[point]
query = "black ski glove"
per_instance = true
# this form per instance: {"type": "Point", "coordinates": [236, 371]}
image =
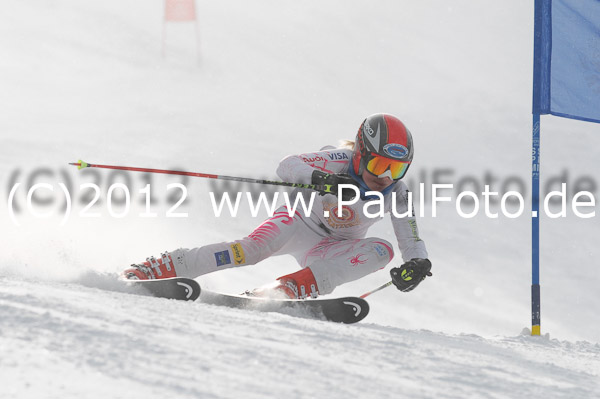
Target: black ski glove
{"type": "Point", "coordinates": [410, 274]}
{"type": "Point", "coordinates": [330, 183]}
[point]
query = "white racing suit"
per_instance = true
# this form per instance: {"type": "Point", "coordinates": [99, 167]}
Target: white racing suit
{"type": "Point", "coordinates": [334, 248]}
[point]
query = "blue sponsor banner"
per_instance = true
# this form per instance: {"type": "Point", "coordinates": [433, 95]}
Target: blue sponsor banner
{"type": "Point", "coordinates": [567, 59]}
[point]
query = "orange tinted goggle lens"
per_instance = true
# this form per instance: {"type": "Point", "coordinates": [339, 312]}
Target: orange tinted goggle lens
{"type": "Point", "coordinates": [378, 165]}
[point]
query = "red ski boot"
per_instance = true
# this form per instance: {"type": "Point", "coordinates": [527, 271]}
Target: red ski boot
{"type": "Point", "coordinates": [296, 285]}
{"type": "Point", "coordinates": [152, 269]}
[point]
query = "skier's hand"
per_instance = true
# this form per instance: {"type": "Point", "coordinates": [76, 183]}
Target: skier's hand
{"type": "Point", "coordinates": [410, 274]}
{"type": "Point", "coordinates": [331, 181]}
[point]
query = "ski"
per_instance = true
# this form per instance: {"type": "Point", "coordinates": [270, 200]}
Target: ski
{"type": "Point", "coordinates": [180, 288]}
{"type": "Point", "coordinates": [340, 310]}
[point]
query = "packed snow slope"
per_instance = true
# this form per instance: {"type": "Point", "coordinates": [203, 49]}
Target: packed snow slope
{"type": "Point", "coordinates": [72, 342]}
{"type": "Point", "coordinates": [254, 82]}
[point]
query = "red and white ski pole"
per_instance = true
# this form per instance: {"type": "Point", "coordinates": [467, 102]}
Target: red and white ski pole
{"type": "Point", "coordinates": [376, 289]}
{"type": "Point", "coordinates": [326, 188]}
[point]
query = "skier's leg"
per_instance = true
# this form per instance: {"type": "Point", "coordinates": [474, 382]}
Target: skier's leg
{"type": "Point", "coordinates": [332, 262]}
{"type": "Point", "coordinates": [299, 284]}
{"type": "Point", "coordinates": [271, 236]}
{"type": "Point", "coordinates": [263, 242]}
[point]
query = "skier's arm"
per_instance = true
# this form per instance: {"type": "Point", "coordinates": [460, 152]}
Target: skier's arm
{"type": "Point", "coordinates": [416, 266]}
{"type": "Point", "coordinates": [294, 169]}
{"type": "Point", "coordinates": [321, 168]}
{"type": "Point", "coordinates": [407, 232]}
{"type": "Point", "coordinates": [299, 168]}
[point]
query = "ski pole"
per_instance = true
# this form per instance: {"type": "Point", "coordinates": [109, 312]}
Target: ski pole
{"type": "Point", "coordinates": [376, 289]}
{"type": "Point", "coordinates": [326, 188]}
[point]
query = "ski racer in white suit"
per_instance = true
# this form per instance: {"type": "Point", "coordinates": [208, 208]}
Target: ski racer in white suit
{"type": "Point", "coordinates": [331, 249]}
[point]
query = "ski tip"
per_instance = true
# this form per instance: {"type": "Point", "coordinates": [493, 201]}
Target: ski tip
{"type": "Point", "coordinates": [80, 164]}
{"type": "Point", "coordinates": [179, 288]}
{"type": "Point", "coordinates": [354, 310]}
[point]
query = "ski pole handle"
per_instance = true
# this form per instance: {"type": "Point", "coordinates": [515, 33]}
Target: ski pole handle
{"type": "Point", "coordinates": [376, 289]}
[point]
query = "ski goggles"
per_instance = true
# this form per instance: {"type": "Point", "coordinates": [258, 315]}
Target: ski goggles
{"type": "Point", "coordinates": [379, 166]}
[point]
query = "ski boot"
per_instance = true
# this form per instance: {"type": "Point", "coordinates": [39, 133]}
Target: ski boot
{"type": "Point", "coordinates": [152, 269]}
{"type": "Point", "coordinates": [298, 285]}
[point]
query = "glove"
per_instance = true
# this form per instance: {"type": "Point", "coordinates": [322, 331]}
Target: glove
{"type": "Point", "coordinates": [330, 183]}
{"type": "Point", "coordinates": [410, 274]}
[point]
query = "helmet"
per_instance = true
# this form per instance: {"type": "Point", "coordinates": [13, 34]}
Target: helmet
{"type": "Point", "coordinates": [383, 147]}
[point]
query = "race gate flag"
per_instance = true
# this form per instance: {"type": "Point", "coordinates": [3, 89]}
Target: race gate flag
{"type": "Point", "coordinates": [566, 82]}
{"type": "Point", "coordinates": [180, 10]}
{"type": "Point", "coordinates": [567, 68]}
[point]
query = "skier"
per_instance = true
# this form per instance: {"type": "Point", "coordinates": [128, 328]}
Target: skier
{"type": "Point", "coordinates": [332, 250]}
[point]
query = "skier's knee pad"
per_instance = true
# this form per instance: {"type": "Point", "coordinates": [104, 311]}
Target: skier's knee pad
{"type": "Point", "coordinates": [382, 248]}
{"type": "Point", "coordinates": [368, 256]}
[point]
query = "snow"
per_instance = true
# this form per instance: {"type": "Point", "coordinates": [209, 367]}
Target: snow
{"type": "Point", "coordinates": [85, 80]}
{"type": "Point", "coordinates": [76, 341]}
